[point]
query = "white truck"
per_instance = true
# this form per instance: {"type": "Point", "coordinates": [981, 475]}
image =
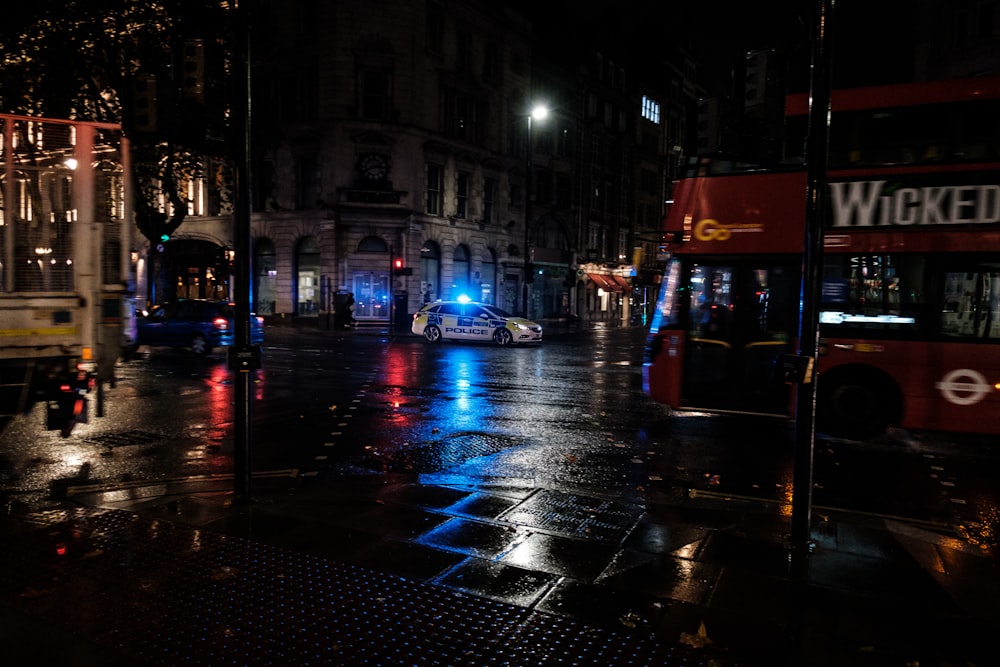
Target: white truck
{"type": "Point", "coordinates": [66, 266]}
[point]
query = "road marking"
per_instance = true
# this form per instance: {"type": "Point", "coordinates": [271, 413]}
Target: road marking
{"type": "Point", "coordinates": [120, 486]}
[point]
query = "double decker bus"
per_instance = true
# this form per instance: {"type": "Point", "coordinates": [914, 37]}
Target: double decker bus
{"type": "Point", "coordinates": [909, 318]}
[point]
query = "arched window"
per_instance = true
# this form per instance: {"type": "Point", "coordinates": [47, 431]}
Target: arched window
{"type": "Point", "coordinates": [372, 244]}
{"type": "Point", "coordinates": [430, 271]}
{"type": "Point", "coordinates": [307, 277]}
{"type": "Point", "coordinates": [265, 277]}
{"type": "Point", "coordinates": [488, 278]}
{"type": "Point", "coordinates": [460, 265]}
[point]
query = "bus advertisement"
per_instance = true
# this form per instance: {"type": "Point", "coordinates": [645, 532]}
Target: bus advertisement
{"type": "Point", "coordinates": [909, 317]}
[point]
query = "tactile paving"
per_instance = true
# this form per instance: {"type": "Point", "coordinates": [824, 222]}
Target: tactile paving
{"type": "Point", "coordinates": [165, 594]}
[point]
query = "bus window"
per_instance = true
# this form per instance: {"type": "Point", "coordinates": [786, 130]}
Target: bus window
{"type": "Point", "coordinates": [666, 314]}
{"type": "Point", "coordinates": [740, 318]}
{"type": "Point", "coordinates": [879, 292]}
{"type": "Point", "coordinates": [711, 302]}
{"type": "Point", "coordinates": [971, 306]}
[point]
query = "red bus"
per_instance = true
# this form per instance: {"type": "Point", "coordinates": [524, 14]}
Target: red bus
{"type": "Point", "coordinates": [910, 311]}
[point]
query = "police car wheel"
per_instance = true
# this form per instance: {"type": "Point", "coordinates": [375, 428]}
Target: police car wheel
{"type": "Point", "coordinates": [432, 334]}
{"type": "Point", "coordinates": [503, 336]}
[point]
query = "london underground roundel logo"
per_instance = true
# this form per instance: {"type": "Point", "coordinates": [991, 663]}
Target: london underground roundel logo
{"type": "Point", "coordinates": [964, 386]}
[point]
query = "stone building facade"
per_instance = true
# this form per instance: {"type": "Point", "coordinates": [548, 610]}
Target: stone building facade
{"type": "Point", "coordinates": [394, 161]}
{"type": "Point", "coordinates": [385, 132]}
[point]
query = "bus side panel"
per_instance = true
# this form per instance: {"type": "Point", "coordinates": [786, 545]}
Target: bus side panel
{"type": "Point", "coordinates": [663, 372]}
{"type": "Point", "coordinates": [960, 390]}
{"type": "Point", "coordinates": [739, 215]}
{"type": "Point", "coordinates": [946, 386]}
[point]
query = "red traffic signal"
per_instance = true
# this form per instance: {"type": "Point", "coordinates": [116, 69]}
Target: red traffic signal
{"type": "Point", "coordinates": [400, 270]}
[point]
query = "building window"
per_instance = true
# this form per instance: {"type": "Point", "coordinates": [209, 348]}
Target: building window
{"type": "Point", "coordinates": [288, 95]}
{"type": "Point", "coordinates": [307, 277]}
{"type": "Point", "coordinates": [296, 95]}
{"type": "Point", "coordinates": [460, 266]}
{"type": "Point", "coordinates": [488, 277]}
{"type": "Point", "coordinates": [464, 53]}
{"type": "Point", "coordinates": [564, 190]}
{"type": "Point", "coordinates": [650, 110]}
{"type": "Point", "coordinates": [430, 271]}
{"type": "Point", "coordinates": [462, 195]}
{"type": "Point", "coordinates": [265, 277]}
{"type": "Point", "coordinates": [489, 198]}
{"type": "Point", "coordinates": [462, 117]}
{"type": "Point", "coordinates": [543, 185]}
{"type": "Point", "coordinates": [435, 28]}
{"type": "Point", "coordinates": [309, 20]}
{"type": "Point", "coordinates": [306, 182]}
{"type": "Point", "coordinates": [435, 193]}
{"type": "Point", "coordinates": [192, 188]}
{"type": "Point", "coordinates": [564, 142]}
{"type": "Point", "coordinates": [649, 181]}
{"type": "Point", "coordinates": [491, 63]}
{"type": "Point", "coordinates": [374, 94]}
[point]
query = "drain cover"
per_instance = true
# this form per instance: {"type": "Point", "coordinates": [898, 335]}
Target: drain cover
{"type": "Point", "coordinates": [443, 454]}
{"type": "Point", "coordinates": [579, 516]}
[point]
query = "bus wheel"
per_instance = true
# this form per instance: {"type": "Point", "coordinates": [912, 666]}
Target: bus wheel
{"type": "Point", "coordinates": [856, 405]}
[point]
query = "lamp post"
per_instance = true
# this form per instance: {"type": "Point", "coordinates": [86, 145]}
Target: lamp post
{"type": "Point", "coordinates": [540, 111]}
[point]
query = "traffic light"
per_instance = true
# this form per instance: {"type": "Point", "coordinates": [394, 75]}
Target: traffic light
{"type": "Point", "coordinates": [399, 270]}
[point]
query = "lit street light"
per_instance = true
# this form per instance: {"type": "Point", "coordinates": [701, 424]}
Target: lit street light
{"type": "Point", "coordinates": [540, 111]}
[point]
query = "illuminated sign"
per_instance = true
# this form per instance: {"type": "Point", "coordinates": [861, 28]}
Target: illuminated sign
{"type": "Point", "coordinates": [888, 203]}
{"type": "Point", "coordinates": [713, 230]}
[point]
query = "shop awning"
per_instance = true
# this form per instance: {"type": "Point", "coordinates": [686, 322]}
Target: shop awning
{"type": "Point", "coordinates": [623, 282]}
{"type": "Point", "coordinates": [606, 282]}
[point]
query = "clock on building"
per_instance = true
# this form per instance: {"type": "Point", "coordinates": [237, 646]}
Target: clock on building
{"type": "Point", "coordinates": [373, 167]}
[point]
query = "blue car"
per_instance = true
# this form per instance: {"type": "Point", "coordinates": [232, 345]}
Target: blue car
{"type": "Point", "coordinates": [197, 324]}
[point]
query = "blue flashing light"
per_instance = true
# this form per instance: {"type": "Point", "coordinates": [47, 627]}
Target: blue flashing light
{"type": "Point", "coordinates": [462, 298]}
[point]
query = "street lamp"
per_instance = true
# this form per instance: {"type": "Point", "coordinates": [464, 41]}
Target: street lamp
{"type": "Point", "coordinates": [540, 111]}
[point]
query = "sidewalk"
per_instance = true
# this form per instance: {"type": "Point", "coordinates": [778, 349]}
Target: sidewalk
{"type": "Point", "coordinates": [381, 570]}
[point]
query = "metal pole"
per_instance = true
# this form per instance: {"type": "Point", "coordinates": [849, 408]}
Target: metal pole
{"type": "Point", "coordinates": [243, 417]}
{"type": "Point", "coordinates": [527, 218]}
{"type": "Point", "coordinates": [812, 264]}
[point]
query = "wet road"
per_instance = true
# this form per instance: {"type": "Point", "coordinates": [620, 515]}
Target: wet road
{"type": "Point", "coordinates": [568, 414]}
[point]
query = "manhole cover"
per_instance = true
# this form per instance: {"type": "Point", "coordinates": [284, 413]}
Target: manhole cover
{"type": "Point", "coordinates": [579, 516]}
{"type": "Point", "coordinates": [443, 454]}
{"type": "Point", "coordinates": [124, 438]}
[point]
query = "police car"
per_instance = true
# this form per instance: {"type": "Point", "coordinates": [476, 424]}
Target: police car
{"type": "Point", "coordinates": [468, 320]}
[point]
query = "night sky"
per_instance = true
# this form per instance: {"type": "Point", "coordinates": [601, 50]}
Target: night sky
{"type": "Point", "coordinates": [872, 39]}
